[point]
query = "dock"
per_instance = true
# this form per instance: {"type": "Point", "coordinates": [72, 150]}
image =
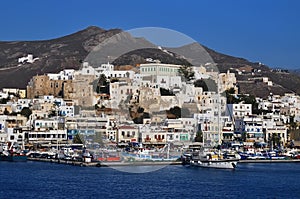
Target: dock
{"type": "Point", "coordinates": [271, 161]}
{"type": "Point", "coordinates": [106, 164]}
{"type": "Point", "coordinates": [143, 163]}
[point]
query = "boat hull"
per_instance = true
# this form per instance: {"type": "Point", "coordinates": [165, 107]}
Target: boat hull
{"type": "Point", "coordinates": [217, 164]}
{"type": "Point", "coordinates": [13, 158]}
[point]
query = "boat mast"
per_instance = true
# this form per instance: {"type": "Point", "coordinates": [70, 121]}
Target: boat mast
{"type": "Point", "coordinates": [219, 110]}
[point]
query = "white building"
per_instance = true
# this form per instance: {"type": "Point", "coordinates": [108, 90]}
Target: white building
{"type": "Point", "coordinates": [121, 92]}
{"type": "Point", "coordinates": [158, 69]}
{"type": "Point", "coordinates": [66, 74]}
{"type": "Point", "coordinates": [274, 126]}
{"type": "Point", "coordinates": [128, 133]}
{"type": "Point", "coordinates": [105, 69]}
{"type": "Point", "coordinates": [251, 128]}
{"type": "Point", "coordinates": [239, 110]}
{"type": "Point", "coordinates": [28, 59]}
{"type": "Point", "coordinates": [48, 136]}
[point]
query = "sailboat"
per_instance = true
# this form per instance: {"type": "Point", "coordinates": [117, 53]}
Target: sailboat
{"type": "Point", "coordinates": [210, 158]}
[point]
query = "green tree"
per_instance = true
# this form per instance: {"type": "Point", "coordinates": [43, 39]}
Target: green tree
{"type": "Point", "coordinates": [199, 136]}
{"type": "Point", "coordinates": [26, 112]}
{"type": "Point", "coordinates": [102, 85]}
{"type": "Point", "coordinates": [293, 124]}
{"type": "Point", "coordinates": [230, 96]}
{"type": "Point", "coordinates": [174, 112]}
{"type": "Point", "coordinates": [4, 100]}
{"type": "Point", "coordinates": [187, 73]}
{"type": "Point", "coordinates": [78, 139]}
{"type": "Point", "coordinates": [6, 112]}
{"type": "Point", "coordinates": [275, 139]}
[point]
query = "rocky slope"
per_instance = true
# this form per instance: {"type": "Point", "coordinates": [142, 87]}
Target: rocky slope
{"type": "Point", "coordinates": [70, 51]}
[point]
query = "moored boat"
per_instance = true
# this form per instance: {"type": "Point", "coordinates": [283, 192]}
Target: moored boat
{"type": "Point", "coordinates": [211, 159]}
{"type": "Point", "coordinates": [13, 153]}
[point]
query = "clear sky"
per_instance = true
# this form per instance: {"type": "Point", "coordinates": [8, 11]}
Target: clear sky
{"type": "Point", "coordinates": [258, 30]}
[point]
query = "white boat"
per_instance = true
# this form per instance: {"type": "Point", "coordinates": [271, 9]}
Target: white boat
{"type": "Point", "coordinates": [213, 160]}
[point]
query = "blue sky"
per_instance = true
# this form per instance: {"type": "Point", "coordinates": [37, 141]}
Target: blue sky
{"type": "Point", "coordinates": [258, 30]}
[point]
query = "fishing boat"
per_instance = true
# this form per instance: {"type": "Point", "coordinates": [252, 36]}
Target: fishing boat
{"type": "Point", "coordinates": [213, 159]}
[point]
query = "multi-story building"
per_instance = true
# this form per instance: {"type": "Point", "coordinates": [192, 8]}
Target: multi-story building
{"type": "Point", "coordinates": [158, 69]}
{"type": "Point", "coordinates": [275, 128]}
{"type": "Point", "coordinates": [127, 133]}
{"type": "Point", "coordinates": [251, 128]}
{"type": "Point", "coordinates": [239, 110]}
{"type": "Point", "coordinates": [121, 92]}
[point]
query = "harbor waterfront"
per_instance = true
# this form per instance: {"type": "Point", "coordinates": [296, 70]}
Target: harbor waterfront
{"type": "Point", "coordinates": [249, 180]}
{"type": "Point", "coordinates": [145, 163]}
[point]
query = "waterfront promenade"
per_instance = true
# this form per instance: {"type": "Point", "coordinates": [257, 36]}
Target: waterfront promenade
{"type": "Point", "coordinates": [144, 163]}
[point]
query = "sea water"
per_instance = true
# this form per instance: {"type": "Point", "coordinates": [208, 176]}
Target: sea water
{"type": "Point", "coordinates": [51, 180]}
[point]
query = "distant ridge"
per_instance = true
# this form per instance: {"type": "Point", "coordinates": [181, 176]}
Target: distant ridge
{"type": "Point", "coordinates": [69, 51]}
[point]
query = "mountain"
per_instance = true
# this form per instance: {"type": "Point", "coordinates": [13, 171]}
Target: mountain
{"type": "Point", "coordinates": [54, 55]}
{"type": "Point", "coordinates": [70, 51]}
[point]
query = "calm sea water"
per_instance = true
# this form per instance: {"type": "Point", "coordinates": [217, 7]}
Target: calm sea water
{"type": "Point", "coordinates": [46, 180]}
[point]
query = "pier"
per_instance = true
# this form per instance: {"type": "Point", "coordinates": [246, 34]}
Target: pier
{"type": "Point", "coordinates": [106, 164]}
{"type": "Point", "coordinates": [271, 161]}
